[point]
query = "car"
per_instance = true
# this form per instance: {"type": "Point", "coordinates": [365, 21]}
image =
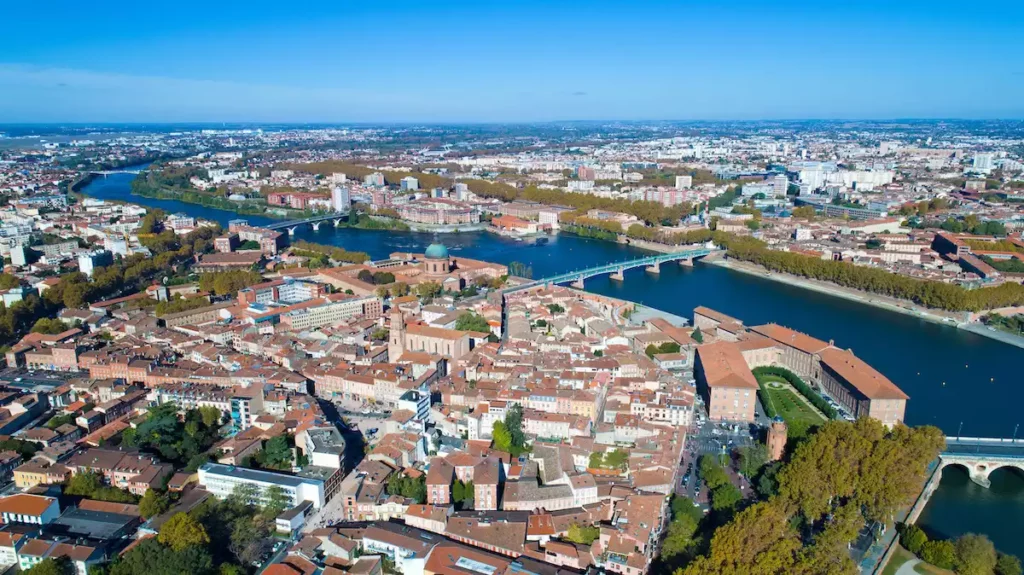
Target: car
{"type": "Point", "coordinates": [17, 379]}
{"type": "Point", "coordinates": [373, 430]}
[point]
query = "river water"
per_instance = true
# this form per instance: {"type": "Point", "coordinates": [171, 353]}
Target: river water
{"type": "Point", "coordinates": [956, 380]}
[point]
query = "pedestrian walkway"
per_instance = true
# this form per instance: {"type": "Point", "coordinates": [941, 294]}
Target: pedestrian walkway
{"type": "Point", "coordinates": [908, 567]}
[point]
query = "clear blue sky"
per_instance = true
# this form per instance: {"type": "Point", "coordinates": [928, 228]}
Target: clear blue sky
{"type": "Point", "coordinates": [480, 61]}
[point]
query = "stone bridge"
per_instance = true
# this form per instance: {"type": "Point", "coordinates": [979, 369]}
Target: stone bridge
{"type": "Point", "coordinates": [980, 456]}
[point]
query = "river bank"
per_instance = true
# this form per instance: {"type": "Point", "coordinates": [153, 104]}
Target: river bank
{"type": "Point", "coordinates": [874, 300]}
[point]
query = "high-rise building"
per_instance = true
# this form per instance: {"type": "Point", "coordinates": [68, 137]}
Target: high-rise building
{"type": "Point", "coordinates": [585, 173]}
{"type": "Point", "coordinates": [338, 178]}
{"type": "Point", "coordinates": [18, 256]}
{"type": "Point", "coordinates": [341, 201]}
{"type": "Point", "coordinates": [982, 163]}
{"type": "Point", "coordinates": [684, 182]}
{"type": "Point", "coordinates": [781, 183]}
{"type": "Point", "coordinates": [92, 260]}
{"type": "Point", "coordinates": [410, 184]}
{"type": "Point", "coordinates": [374, 179]}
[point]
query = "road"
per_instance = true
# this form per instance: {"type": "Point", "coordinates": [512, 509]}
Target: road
{"type": "Point", "coordinates": [30, 379]}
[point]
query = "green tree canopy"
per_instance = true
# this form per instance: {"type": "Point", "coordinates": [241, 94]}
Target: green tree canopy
{"type": "Point", "coordinates": [470, 321]}
{"type": "Point", "coordinates": [149, 557]}
{"type": "Point", "coordinates": [1007, 565]}
{"type": "Point", "coordinates": [181, 532]}
{"type": "Point", "coordinates": [153, 503]}
{"type": "Point", "coordinates": [582, 534]}
{"type": "Point", "coordinates": [975, 555]}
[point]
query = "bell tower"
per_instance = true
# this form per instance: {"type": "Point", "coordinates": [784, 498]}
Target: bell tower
{"type": "Point", "coordinates": [396, 339]}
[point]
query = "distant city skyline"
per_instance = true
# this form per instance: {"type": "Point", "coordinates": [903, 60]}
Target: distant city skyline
{"type": "Point", "coordinates": [511, 62]}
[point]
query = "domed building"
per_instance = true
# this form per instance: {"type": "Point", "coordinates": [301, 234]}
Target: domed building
{"type": "Point", "coordinates": [436, 260]}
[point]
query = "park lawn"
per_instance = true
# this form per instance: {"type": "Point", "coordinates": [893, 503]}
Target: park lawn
{"type": "Point", "coordinates": [899, 557]}
{"type": "Point", "coordinates": [791, 407]}
{"type": "Point", "coordinates": [929, 569]}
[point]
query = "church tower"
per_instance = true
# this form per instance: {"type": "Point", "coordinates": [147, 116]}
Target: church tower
{"type": "Point", "coordinates": [396, 341]}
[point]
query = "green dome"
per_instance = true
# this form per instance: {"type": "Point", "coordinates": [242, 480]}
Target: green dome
{"type": "Point", "coordinates": [436, 252]}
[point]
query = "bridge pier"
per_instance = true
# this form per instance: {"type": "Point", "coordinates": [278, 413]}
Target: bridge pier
{"type": "Point", "coordinates": [578, 284]}
{"type": "Point", "coordinates": [654, 268]}
{"type": "Point", "coordinates": [981, 477]}
{"type": "Point", "coordinates": [619, 275]}
{"type": "Point", "coordinates": [316, 226]}
{"type": "Point", "coordinates": [337, 222]}
{"type": "Point", "coordinates": [291, 230]}
{"type": "Point", "coordinates": [687, 263]}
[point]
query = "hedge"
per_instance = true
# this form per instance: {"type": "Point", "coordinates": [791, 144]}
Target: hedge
{"type": "Point", "coordinates": [798, 384]}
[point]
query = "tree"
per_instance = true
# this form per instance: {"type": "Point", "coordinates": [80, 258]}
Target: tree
{"type": "Point", "coordinates": [49, 326]}
{"type": "Point", "coordinates": [975, 555]}
{"type": "Point", "coordinates": [759, 540]}
{"type": "Point", "coordinates": [8, 281]}
{"type": "Point", "coordinates": [501, 436]}
{"type": "Point", "coordinates": [913, 538]}
{"type": "Point", "coordinates": [555, 309]}
{"type": "Point", "coordinates": [151, 224]}
{"type": "Point", "coordinates": [458, 491]}
{"type": "Point", "coordinates": [513, 423]}
{"type": "Point", "coordinates": [249, 245]}
{"type": "Point", "coordinates": [617, 459]}
{"type": "Point", "coordinates": [277, 499]}
{"type": "Point", "coordinates": [470, 321]}
{"type": "Point", "coordinates": [1007, 565]}
{"type": "Point", "coordinates": [276, 453]}
{"type": "Point", "coordinates": [90, 485]}
{"type": "Point", "coordinates": [804, 212]}
{"type": "Point", "coordinates": [752, 459]}
{"type": "Point", "coordinates": [684, 506]}
{"type": "Point", "coordinates": [151, 558]}
{"type": "Point", "coordinates": [428, 290]}
{"type": "Point", "coordinates": [50, 566]}
{"type": "Point", "coordinates": [697, 336]}
{"type": "Point", "coordinates": [725, 497]}
{"type": "Point", "coordinates": [245, 494]}
{"type": "Point", "coordinates": [153, 503]}
{"type": "Point", "coordinates": [582, 534]}
{"type": "Point", "coordinates": [210, 415]}
{"type": "Point", "coordinates": [711, 472]}
{"type": "Point", "coordinates": [181, 532]}
{"type": "Point", "coordinates": [679, 539]}
{"type": "Point", "coordinates": [227, 283]}
{"type": "Point", "coordinates": [939, 553]}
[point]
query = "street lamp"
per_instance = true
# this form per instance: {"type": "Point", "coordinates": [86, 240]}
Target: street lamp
{"type": "Point", "coordinates": [959, 430]}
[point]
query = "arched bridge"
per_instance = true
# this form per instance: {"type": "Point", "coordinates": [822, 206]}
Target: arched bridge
{"type": "Point", "coordinates": [982, 455]}
{"type": "Point", "coordinates": [651, 263]}
{"type": "Point", "coordinates": [315, 221]}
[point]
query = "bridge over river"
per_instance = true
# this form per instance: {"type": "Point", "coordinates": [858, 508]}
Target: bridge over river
{"type": "Point", "coordinates": [315, 221]}
{"type": "Point", "coordinates": [982, 455]}
{"type": "Point", "coordinates": [651, 263]}
{"type": "Point", "coordinates": [109, 172]}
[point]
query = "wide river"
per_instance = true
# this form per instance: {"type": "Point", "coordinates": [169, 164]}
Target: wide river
{"type": "Point", "coordinates": [953, 377]}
